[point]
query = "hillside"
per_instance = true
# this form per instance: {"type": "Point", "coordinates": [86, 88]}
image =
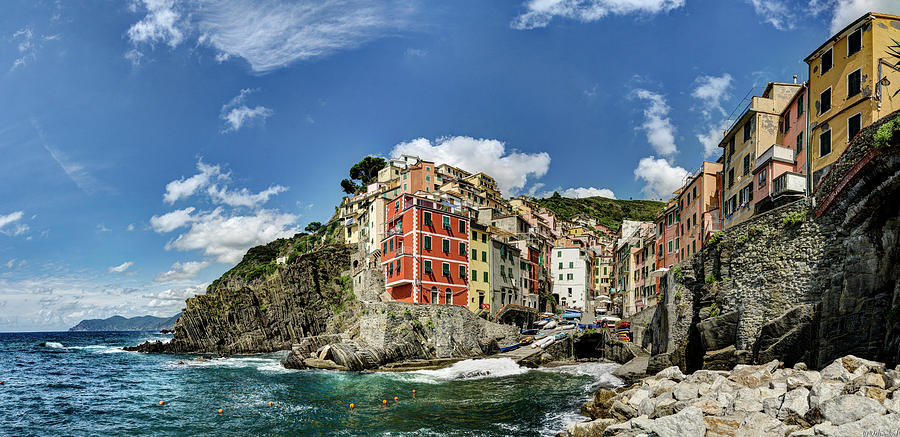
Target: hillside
{"type": "Point", "coordinates": [609, 212]}
{"type": "Point", "coordinates": [119, 323]}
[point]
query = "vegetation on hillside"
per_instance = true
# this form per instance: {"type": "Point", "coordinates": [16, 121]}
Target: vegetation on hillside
{"type": "Point", "coordinates": [609, 212]}
{"type": "Point", "coordinates": [260, 261]}
{"type": "Point", "coordinates": [363, 173]}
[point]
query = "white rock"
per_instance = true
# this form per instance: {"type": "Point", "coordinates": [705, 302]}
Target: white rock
{"type": "Point", "coordinates": [849, 408]}
{"type": "Point", "coordinates": [688, 422]}
{"type": "Point", "coordinates": [589, 429]}
{"type": "Point", "coordinates": [673, 373]}
{"type": "Point", "coordinates": [747, 400]}
{"type": "Point", "coordinates": [685, 391]}
{"type": "Point", "coordinates": [875, 424]}
{"type": "Point", "coordinates": [637, 397]}
{"type": "Point", "coordinates": [893, 405]}
{"type": "Point", "coordinates": [794, 404]}
{"type": "Point", "coordinates": [836, 371]}
{"type": "Point", "coordinates": [759, 425]}
{"type": "Point", "coordinates": [824, 390]}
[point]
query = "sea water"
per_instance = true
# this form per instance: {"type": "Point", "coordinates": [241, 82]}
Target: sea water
{"type": "Point", "coordinates": [85, 384]}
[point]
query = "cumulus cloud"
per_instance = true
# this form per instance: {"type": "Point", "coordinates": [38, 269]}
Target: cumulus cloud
{"type": "Point", "coordinates": [775, 12]}
{"type": "Point", "coordinates": [10, 226]}
{"type": "Point", "coordinates": [844, 12]}
{"type": "Point", "coordinates": [170, 221]}
{"type": "Point", "coordinates": [711, 91]}
{"type": "Point", "coordinates": [227, 236]}
{"type": "Point", "coordinates": [236, 113]}
{"type": "Point", "coordinates": [213, 182]}
{"type": "Point", "coordinates": [268, 34]}
{"type": "Point", "coordinates": [243, 196]}
{"type": "Point", "coordinates": [581, 192]}
{"type": "Point", "coordinates": [180, 271]}
{"type": "Point", "coordinates": [539, 13]}
{"type": "Point", "coordinates": [657, 125]}
{"type": "Point", "coordinates": [660, 177]}
{"type": "Point", "coordinates": [121, 268]}
{"type": "Point", "coordinates": [186, 187]}
{"type": "Point", "coordinates": [171, 300]}
{"type": "Point", "coordinates": [511, 169]}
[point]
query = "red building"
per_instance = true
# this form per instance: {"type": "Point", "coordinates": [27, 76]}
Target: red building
{"type": "Point", "coordinates": [425, 251]}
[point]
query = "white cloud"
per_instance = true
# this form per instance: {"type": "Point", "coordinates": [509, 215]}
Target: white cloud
{"type": "Point", "coordinates": [163, 23]}
{"type": "Point", "coordinates": [659, 176]}
{"type": "Point", "coordinates": [9, 264]}
{"type": "Point", "coordinates": [243, 197]}
{"type": "Point", "coordinates": [183, 188]}
{"type": "Point", "coordinates": [172, 300]}
{"type": "Point", "coordinates": [173, 220]}
{"type": "Point", "coordinates": [775, 12]}
{"type": "Point", "coordinates": [657, 125]}
{"type": "Point", "coordinates": [539, 13]}
{"type": "Point", "coordinates": [180, 270]}
{"type": "Point", "coordinates": [121, 268]}
{"type": "Point", "coordinates": [130, 227]}
{"type": "Point", "coordinates": [9, 225]}
{"type": "Point", "coordinates": [711, 91]}
{"type": "Point", "coordinates": [510, 169]}
{"type": "Point", "coordinates": [226, 237]}
{"type": "Point", "coordinates": [582, 192]}
{"type": "Point", "coordinates": [416, 52]}
{"type": "Point", "coordinates": [236, 113]}
{"type": "Point", "coordinates": [102, 228]}
{"type": "Point", "coordinates": [268, 34]}
{"type": "Point", "coordinates": [844, 12]}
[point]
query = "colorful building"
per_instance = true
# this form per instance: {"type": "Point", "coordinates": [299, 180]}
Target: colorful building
{"type": "Point", "coordinates": [853, 82]}
{"type": "Point", "coordinates": [571, 277]}
{"type": "Point", "coordinates": [697, 199]}
{"type": "Point", "coordinates": [425, 252]}
{"type": "Point", "coordinates": [505, 274]}
{"type": "Point", "coordinates": [480, 267]}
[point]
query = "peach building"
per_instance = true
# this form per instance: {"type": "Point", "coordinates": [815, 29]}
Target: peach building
{"type": "Point", "coordinates": [780, 172]}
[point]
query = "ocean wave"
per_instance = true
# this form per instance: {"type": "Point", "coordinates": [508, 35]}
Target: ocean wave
{"type": "Point", "coordinates": [467, 370]}
{"type": "Point", "coordinates": [93, 346]}
{"type": "Point", "coordinates": [52, 345]}
{"type": "Point", "coordinates": [264, 364]}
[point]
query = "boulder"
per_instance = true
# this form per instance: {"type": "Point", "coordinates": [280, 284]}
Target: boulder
{"type": "Point", "coordinates": [664, 406]}
{"type": "Point", "coordinates": [747, 400]}
{"type": "Point", "coordinates": [794, 404]}
{"type": "Point", "coordinates": [718, 332]}
{"type": "Point", "coordinates": [638, 397]}
{"type": "Point", "coordinates": [722, 426]}
{"type": "Point", "coordinates": [593, 428]}
{"type": "Point", "coordinates": [687, 422]}
{"type": "Point", "coordinates": [673, 373]}
{"type": "Point", "coordinates": [835, 371]}
{"type": "Point", "coordinates": [622, 411]}
{"type": "Point", "coordinates": [786, 338]}
{"type": "Point", "coordinates": [872, 424]}
{"type": "Point", "coordinates": [760, 425]}
{"type": "Point", "coordinates": [686, 391]}
{"type": "Point", "coordinates": [824, 390]}
{"type": "Point", "coordinates": [850, 408]}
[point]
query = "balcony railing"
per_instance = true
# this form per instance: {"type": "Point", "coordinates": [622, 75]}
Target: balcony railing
{"type": "Point", "coordinates": [789, 183]}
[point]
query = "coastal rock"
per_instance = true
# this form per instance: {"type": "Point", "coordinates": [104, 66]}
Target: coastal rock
{"type": "Point", "coordinates": [688, 421]}
{"type": "Point", "coordinates": [850, 408]}
{"type": "Point", "coordinates": [760, 425]}
{"type": "Point", "coordinates": [823, 391]}
{"type": "Point", "coordinates": [593, 428]}
{"type": "Point", "coordinates": [718, 332]}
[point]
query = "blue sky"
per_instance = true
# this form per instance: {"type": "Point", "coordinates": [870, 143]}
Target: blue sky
{"type": "Point", "coordinates": [146, 145]}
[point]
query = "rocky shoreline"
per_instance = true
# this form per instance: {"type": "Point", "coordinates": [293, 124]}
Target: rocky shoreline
{"type": "Point", "coordinates": [848, 397]}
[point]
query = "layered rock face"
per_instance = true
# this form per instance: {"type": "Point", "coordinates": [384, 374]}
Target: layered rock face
{"type": "Point", "coordinates": [376, 334]}
{"type": "Point", "coordinates": [266, 308]}
{"type": "Point", "coordinates": [848, 397]}
{"type": "Point", "coordinates": [809, 281]}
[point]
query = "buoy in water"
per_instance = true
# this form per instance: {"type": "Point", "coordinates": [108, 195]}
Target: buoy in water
{"type": "Point", "coordinates": [162, 402]}
{"type": "Point", "coordinates": [351, 405]}
{"type": "Point", "coordinates": [271, 403]}
{"type": "Point", "coordinates": [220, 411]}
{"type": "Point", "coordinates": [384, 402]}
{"type": "Point", "coordinates": [414, 391]}
{"type": "Point", "coordinates": [396, 398]}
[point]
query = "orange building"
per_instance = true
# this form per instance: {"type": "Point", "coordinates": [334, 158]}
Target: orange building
{"type": "Point", "coordinates": [425, 251]}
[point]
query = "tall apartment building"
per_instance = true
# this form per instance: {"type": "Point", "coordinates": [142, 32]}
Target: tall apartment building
{"type": "Point", "coordinates": [571, 277]}
{"type": "Point", "coordinates": [853, 82]}
{"type": "Point", "coordinates": [748, 137]}
{"type": "Point", "coordinates": [780, 172]}
{"type": "Point", "coordinates": [697, 201]}
{"type": "Point", "coordinates": [480, 267]}
{"type": "Point", "coordinates": [667, 235]}
{"type": "Point", "coordinates": [425, 252]}
{"type": "Point", "coordinates": [505, 275]}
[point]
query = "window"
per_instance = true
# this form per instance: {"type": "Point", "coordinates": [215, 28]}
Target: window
{"type": "Point", "coordinates": [731, 147]}
{"type": "Point", "coordinates": [462, 227]}
{"type": "Point", "coordinates": [670, 247]}
{"type": "Point", "coordinates": [484, 238]}
{"type": "Point", "coordinates": [854, 42]}
{"type": "Point", "coordinates": [746, 164]}
{"type": "Point", "coordinates": [560, 265]}
{"type": "Point", "coordinates": [483, 256]}
{"type": "Point", "coordinates": [560, 277]}
{"type": "Point", "coordinates": [694, 196]}
{"type": "Point", "coordinates": [799, 142]}
{"type": "Point", "coordinates": [826, 62]}
{"type": "Point", "coordinates": [854, 125]}
{"type": "Point", "coordinates": [694, 246]}
{"type": "Point", "coordinates": [474, 236]}
{"type": "Point", "coordinates": [558, 253]}
{"type": "Point", "coordinates": [462, 271]}
{"type": "Point", "coordinates": [462, 249]}
{"type": "Point", "coordinates": [485, 276]}
{"type": "Point", "coordinates": [391, 245]}
{"type": "Point", "coordinates": [427, 217]}
{"type": "Point", "coordinates": [474, 254]}
{"type": "Point", "coordinates": [747, 128]}
{"type": "Point", "coordinates": [446, 222]}
{"type": "Point", "coordinates": [854, 81]}
{"type": "Point", "coordinates": [427, 267]}
{"type": "Point", "coordinates": [474, 275]}
{"type": "Point", "coordinates": [731, 177]}
{"type": "Point", "coordinates": [448, 298]}
{"type": "Point", "coordinates": [503, 271]}
{"type": "Point", "coordinates": [762, 178]}
{"type": "Point", "coordinates": [404, 175]}
{"type": "Point", "coordinates": [434, 295]}
{"type": "Point", "coordinates": [385, 247]}
{"type": "Point", "coordinates": [825, 101]}
{"type": "Point", "coordinates": [445, 269]}
{"type": "Point", "coordinates": [825, 143]}
{"type": "Point", "coordinates": [787, 121]}
{"type": "Point", "coordinates": [570, 277]}
{"type": "Point", "coordinates": [571, 265]}
{"type": "Point", "coordinates": [398, 266]}
{"type": "Point", "coordinates": [445, 245]}
{"type": "Point", "coordinates": [427, 242]}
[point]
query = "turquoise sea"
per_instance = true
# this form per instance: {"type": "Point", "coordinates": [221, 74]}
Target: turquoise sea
{"type": "Point", "coordinates": [84, 384]}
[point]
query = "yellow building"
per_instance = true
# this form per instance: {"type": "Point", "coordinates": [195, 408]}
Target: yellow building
{"type": "Point", "coordinates": [853, 82]}
{"type": "Point", "coordinates": [480, 268]}
{"type": "Point", "coordinates": [755, 131]}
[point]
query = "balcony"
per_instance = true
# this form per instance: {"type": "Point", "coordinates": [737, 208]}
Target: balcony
{"type": "Point", "coordinates": [789, 183]}
{"type": "Point", "coordinates": [777, 153]}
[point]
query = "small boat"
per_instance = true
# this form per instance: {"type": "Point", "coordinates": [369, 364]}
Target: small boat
{"type": "Point", "coordinates": [567, 326]}
{"type": "Point", "coordinates": [526, 340]}
{"type": "Point", "coordinates": [540, 336]}
{"type": "Point", "coordinates": [560, 336]}
{"type": "Point", "coordinates": [541, 323]}
{"type": "Point", "coordinates": [550, 325]}
{"type": "Point", "coordinates": [530, 331]}
{"type": "Point", "coordinates": [511, 348]}
{"type": "Point", "coordinates": [548, 343]}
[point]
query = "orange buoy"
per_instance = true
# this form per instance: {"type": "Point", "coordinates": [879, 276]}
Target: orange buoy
{"type": "Point", "coordinates": [414, 391]}
{"type": "Point", "coordinates": [220, 411]}
{"type": "Point", "coordinates": [384, 402]}
{"type": "Point", "coordinates": [271, 403]}
{"type": "Point", "coordinates": [162, 402]}
{"type": "Point", "coordinates": [351, 405]}
{"type": "Point", "coordinates": [396, 398]}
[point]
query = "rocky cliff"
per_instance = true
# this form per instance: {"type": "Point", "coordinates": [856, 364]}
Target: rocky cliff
{"type": "Point", "coordinates": [262, 305]}
{"type": "Point", "coordinates": [809, 281]}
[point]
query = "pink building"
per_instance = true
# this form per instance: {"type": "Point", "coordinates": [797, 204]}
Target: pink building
{"type": "Point", "coordinates": [780, 171]}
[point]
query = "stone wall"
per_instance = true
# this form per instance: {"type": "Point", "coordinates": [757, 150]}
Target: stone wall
{"type": "Point", "coordinates": [809, 281]}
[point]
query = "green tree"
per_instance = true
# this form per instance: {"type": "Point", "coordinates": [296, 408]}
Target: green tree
{"type": "Point", "coordinates": [366, 171]}
{"type": "Point", "coordinates": [312, 227]}
{"type": "Point", "coordinates": [349, 187]}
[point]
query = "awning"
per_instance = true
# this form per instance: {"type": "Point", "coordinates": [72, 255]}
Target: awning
{"type": "Point", "coordinates": [659, 273]}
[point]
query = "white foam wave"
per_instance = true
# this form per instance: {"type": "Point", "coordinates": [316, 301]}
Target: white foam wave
{"type": "Point", "coordinates": [270, 364]}
{"type": "Point", "coordinates": [467, 370]}
{"type": "Point", "coordinates": [93, 346]}
{"type": "Point", "coordinates": [53, 345]}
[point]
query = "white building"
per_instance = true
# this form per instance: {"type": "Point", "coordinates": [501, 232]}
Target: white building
{"type": "Point", "coordinates": [571, 276]}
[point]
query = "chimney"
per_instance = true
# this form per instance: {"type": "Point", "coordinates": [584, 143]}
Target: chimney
{"type": "Point", "coordinates": [795, 78]}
